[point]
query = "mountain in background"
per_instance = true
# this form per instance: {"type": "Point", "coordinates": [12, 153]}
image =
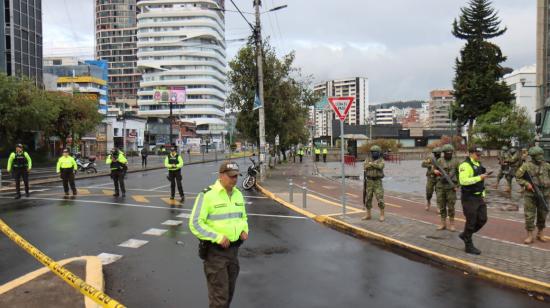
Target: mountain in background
{"type": "Point", "coordinates": [400, 105]}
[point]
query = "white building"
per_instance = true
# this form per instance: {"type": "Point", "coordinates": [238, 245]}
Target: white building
{"type": "Point", "coordinates": [134, 129]}
{"type": "Point", "coordinates": [181, 45]}
{"type": "Point", "coordinates": [357, 87]}
{"type": "Point", "coordinates": [387, 116]}
{"type": "Point", "coordinates": [522, 82]}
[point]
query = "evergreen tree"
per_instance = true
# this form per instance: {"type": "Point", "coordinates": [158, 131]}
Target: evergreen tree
{"type": "Point", "coordinates": [477, 83]}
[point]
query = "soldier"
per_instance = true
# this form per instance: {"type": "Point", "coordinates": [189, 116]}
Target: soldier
{"type": "Point", "coordinates": [374, 170]}
{"type": "Point", "coordinates": [430, 176]}
{"type": "Point", "coordinates": [514, 161]}
{"type": "Point", "coordinates": [503, 157]}
{"type": "Point", "coordinates": [446, 192]}
{"type": "Point", "coordinates": [539, 171]}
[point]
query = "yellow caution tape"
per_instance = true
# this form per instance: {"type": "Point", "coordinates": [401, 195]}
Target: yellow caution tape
{"type": "Point", "coordinates": [73, 280]}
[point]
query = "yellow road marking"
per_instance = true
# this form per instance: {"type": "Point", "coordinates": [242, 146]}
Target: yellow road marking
{"type": "Point", "coordinates": [139, 198]}
{"type": "Point", "coordinates": [83, 191]}
{"type": "Point", "coordinates": [328, 187]}
{"type": "Point", "coordinates": [332, 203]}
{"type": "Point", "coordinates": [312, 182]}
{"type": "Point", "coordinates": [170, 202]}
{"type": "Point", "coordinates": [107, 192]}
{"type": "Point", "coordinates": [394, 205]}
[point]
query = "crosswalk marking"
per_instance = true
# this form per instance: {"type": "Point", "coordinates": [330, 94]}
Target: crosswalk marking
{"type": "Point", "coordinates": [133, 243]}
{"type": "Point", "coordinates": [170, 201]}
{"type": "Point", "coordinates": [172, 223]}
{"type": "Point", "coordinates": [155, 232]}
{"type": "Point", "coordinates": [107, 192]}
{"type": "Point", "coordinates": [83, 191]}
{"type": "Point", "coordinates": [108, 258]}
{"type": "Point", "coordinates": [140, 198]}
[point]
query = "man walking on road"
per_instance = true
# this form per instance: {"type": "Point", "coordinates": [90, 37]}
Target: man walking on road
{"type": "Point", "coordinates": [374, 170]}
{"type": "Point", "coordinates": [144, 154]}
{"type": "Point", "coordinates": [220, 222]}
{"type": "Point", "coordinates": [20, 163]}
{"type": "Point", "coordinates": [66, 167]}
{"type": "Point", "coordinates": [472, 180]}
{"type": "Point", "coordinates": [430, 176]}
{"type": "Point", "coordinates": [117, 162]}
{"type": "Point", "coordinates": [539, 172]}
{"type": "Point", "coordinates": [301, 154]}
{"type": "Point", "coordinates": [174, 163]}
{"type": "Point", "coordinates": [445, 190]}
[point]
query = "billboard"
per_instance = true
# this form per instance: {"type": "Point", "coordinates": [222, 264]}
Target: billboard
{"type": "Point", "coordinates": [175, 95]}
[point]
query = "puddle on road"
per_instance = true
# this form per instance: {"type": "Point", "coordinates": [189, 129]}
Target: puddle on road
{"type": "Point", "coordinates": [252, 252]}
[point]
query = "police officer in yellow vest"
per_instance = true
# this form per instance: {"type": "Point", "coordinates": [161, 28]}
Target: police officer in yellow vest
{"type": "Point", "coordinates": [117, 162]}
{"type": "Point", "coordinates": [325, 152]}
{"type": "Point", "coordinates": [301, 154]}
{"type": "Point", "coordinates": [174, 163]}
{"type": "Point", "coordinates": [220, 222]}
{"type": "Point", "coordinates": [20, 163]}
{"type": "Point", "coordinates": [66, 167]}
{"type": "Point", "coordinates": [317, 153]}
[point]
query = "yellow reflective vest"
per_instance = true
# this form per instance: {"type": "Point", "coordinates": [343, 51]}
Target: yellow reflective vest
{"type": "Point", "coordinates": [215, 215]}
{"type": "Point", "coordinates": [170, 161]}
{"type": "Point", "coordinates": [325, 151]}
{"type": "Point", "coordinates": [66, 163]}
{"type": "Point", "coordinates": [317, 151]}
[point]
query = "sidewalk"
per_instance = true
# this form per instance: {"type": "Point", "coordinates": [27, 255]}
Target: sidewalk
{"type": "Point", "coordinates": [409, 227]}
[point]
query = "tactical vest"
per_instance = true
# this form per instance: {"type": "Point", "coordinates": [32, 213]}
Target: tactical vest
{"type": "Point", "coordinates": [373, 173]}
{"type": "Point", "coordinates": [173, 160]}
{"type": "Point", "coordinates": [116, 165]}
{"type": "Point", "coordinates": [20, 161]}
{"type": "Point", "coordinates": [539, 174]}
{"type": "Point", "coordinates": [477, 188]}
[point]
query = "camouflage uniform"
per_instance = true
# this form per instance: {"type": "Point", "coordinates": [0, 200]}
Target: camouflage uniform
{"type": "Point", "coordinates": [430, 176]}
{"type": "Point", "coordinates": [514, 161]}
{"type": "Point", "coordinates": [540, 174]}
{"type": "Point", "coordinates": [375, 172]}
{"type": "Point", "coordinates": [446, 194]}
{"type": "Point", "coordinates": [503, 156]}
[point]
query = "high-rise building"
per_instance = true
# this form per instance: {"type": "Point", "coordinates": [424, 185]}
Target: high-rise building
{"type": "Point", "coordinates": [21, 38]}
{"type": "Point", "coordinates": [440, 108]}
{"type": "Point", "coordinates": [115, 32]}
{"type": "Point", "coordinates": [182, 50]}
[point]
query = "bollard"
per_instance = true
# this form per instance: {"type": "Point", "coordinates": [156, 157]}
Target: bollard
{"type": "Point", "coordinates": [304, 197]}
{"type": "Point", "coordinates": [291, 191]}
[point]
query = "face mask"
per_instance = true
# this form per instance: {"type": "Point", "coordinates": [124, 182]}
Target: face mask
{"type": "Point", "coordinates": [437, 155]}
{"type": "Point", "coordinates": [448, 155]}
{"type": "Point", "coordinates": [538, 158]}
{"type": "Point", "coordinates": [375, 155]}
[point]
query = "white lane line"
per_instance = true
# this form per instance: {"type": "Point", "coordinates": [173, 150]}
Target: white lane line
{"type": "Point", "coordinates": [155, 232]}
{"type": "Point", "coordinates": [184, 215]}
{"type": "Point", "coordinates": [155, 189]}
{"type": "Point", "coordinates": [108, 258]}
{"type": "Point", "coordinates": [277, 216]}
{"type": "Point", "coordinates": [172, 223]}
{"type": "Point", "coordinates": [133, 243]}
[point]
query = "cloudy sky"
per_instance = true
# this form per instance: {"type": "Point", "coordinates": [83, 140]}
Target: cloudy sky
{"type": "Point", "coordinates": [404, 47]}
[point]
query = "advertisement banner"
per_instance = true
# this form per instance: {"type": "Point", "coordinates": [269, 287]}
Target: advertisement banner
{"type": "Point", "coordinates": [174, 95]}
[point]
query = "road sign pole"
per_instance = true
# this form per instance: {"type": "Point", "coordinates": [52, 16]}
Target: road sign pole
{"type": "Point", "coordinates": [343, 173]}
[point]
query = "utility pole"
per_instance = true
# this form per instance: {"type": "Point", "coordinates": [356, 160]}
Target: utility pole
{"type": "Point", "coordinates": [259, 60]}
{"type": "Point", "coordinates": [124, 126]}
{"type": "Point", "coordinates": [170, 122]}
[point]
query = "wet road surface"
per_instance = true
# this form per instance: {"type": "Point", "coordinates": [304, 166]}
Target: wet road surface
{"type": "Point", "coordinates": [289, 261]}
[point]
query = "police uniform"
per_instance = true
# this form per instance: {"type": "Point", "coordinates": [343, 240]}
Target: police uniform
{"type": "Point", "coordinates": [317, 153]}
{"type": "Point", "coordinates": [473, 199]}
{"type": "Point", "coordinates": [117, 162]}
{"type": "Point", "coordinates": [20, 163]}
{"type": "Point", "coordinates": [217, 214]}
{"type": "Point", "coordinates": [301, 154]}
{"type": "Point", "coordinates": [66, 167]}
{"type": "Point", "coordinates": [325, 152]}
{"type": "Point", "coordinates": [374, 171]}
{"type": "Point", "coordinates": [174, 163]}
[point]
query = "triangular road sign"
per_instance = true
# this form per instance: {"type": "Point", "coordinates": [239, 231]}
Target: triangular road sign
{"type": "Point", "coordinates": [341, 105]}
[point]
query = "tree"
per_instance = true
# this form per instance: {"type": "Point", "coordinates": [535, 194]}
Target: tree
{"type": "Point", "coordinates": [502, 124]}
{"type": "Point", "coordinates": [286, 93]}
{"type": "Point", "coordinates": [477, 83]}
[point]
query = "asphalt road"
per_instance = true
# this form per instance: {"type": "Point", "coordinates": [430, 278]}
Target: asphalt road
{"type": "Point", "coordinates": [289, 261]}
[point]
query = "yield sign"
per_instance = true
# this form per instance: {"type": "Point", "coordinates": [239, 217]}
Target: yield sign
{"type": "Point", "coordinates": [341, 105]}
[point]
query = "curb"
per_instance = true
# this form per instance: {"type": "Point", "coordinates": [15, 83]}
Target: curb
{"type": "Point", "coordinates": [487, 273]}
{"type": "Point", "coordinates": [94, 277]}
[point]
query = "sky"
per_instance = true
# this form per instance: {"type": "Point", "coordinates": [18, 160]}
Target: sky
{"type": "Point", "coordinates": [405, 48]}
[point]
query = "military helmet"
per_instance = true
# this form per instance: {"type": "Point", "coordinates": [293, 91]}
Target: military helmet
{"type": "Point", "coordinates": [534, 151]}
{"type": "Point", "coordinates": [447, 148]}
{"type": "Point", "coordinates": [513, 150]}
{"type": "Point", "coordinates": [504, 148]}
{"type": "Point", "coordinates": [436, 150]}
{"type": "Point", "coordinates": [375, 148]}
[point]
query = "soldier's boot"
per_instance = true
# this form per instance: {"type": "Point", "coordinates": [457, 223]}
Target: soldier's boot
{"type": "Point", "coordinates": [443, 225]}
{"type": "Point", "coordinates": [540, 236]}
{"type": "Point", "coordinates": [368, 216]}
{"type": "Point", "coordinates": [529, 239]}
{"type": "Point", "coordinates": [428, 205]}
{"type": "Point", "coordinates": [452, 224]}
{"type": "Point", "coordinates": [382, 216]}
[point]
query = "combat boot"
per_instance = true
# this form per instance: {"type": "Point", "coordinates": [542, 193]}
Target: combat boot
{"type": "Point", "coordinates": [452, 224]}
{"type": "Point", "coordinates": [368, 216]}
{"type": "Point", "coordinates": [471, 249]}
{"type": "Point", "coordinates": [443, 225]}
{"type": "Point", "coordinates": [540, 236]}
{"type": "Point", "coordinates": [428, 205]}
{"type": "Point", "coordinates": [382, 217]}
{"type": "Point", "coordinates": [529, 239]}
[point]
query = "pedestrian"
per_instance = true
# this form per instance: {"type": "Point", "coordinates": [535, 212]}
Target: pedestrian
{"type": "Point", "coordinates": [503, 158]}
{"type": "Point", "coordinates": [66, 168]}
{"type": "Point", "coordinates": [374, 170]}
{"type": "Point", "coordinates": [431, 179]}
{"type": "Point", "coordinates": [117, 162]}
{"type": "Point", "coordinates": [538, 170]}
{"type": "Point", "coordinates": [174, 163]}
{"type": "Point", "coordinates": [325, 152]}
{"type": "Point", "coordinates": [445, 190]}
{"type": "Point", "coordinates": [21, 164]}
{"type": "Point", "coordinates": [189, 153]}
{"type": "Point", "coordinates": [317, 153]}
{"type": "Point", "coordinates": [472, 180]}
{"type": "Point", "coordinates": [220, 223]}
{"type": "Point", "coordinates": [144, 154]}
{"type": "Point", "coordinates": [301, 154]}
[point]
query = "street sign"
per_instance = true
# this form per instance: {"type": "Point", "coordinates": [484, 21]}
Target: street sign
{"type": "Point", "coordinates": [341, 105]}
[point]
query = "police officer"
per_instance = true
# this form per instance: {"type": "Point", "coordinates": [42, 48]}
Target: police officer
{"type": "Point", "coordinates": [374, 170]}
{"type": "Point", "coordinates": [20, 162]}
{"type": "Point", "coordinates": [503, 157]}
{"type": "Point", "coordinates": [117, 162]}
{"type": "Point", "coordinates": [301, 154]}
{"type": "Point", "coordinates": [174, 163]}
{"type": "Point", "coordinates": [220, 222]}
{"type": "Point", "coordinates": [430, 176]}
{"type": "Point", "coordinates": [144, 154]}
{"type": "Point", "coordinates": [472, 180]}
{"type": "Point", "coordinates": [317, 154]}
{"type": "Point", "coordinates": [66, 168]}
{"type": "Point", "coordinates": [539, 170]}
{"type": "Point", "coordinates": [446, 192]}
{"type": "Point", "coordinates": [325, 152]}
